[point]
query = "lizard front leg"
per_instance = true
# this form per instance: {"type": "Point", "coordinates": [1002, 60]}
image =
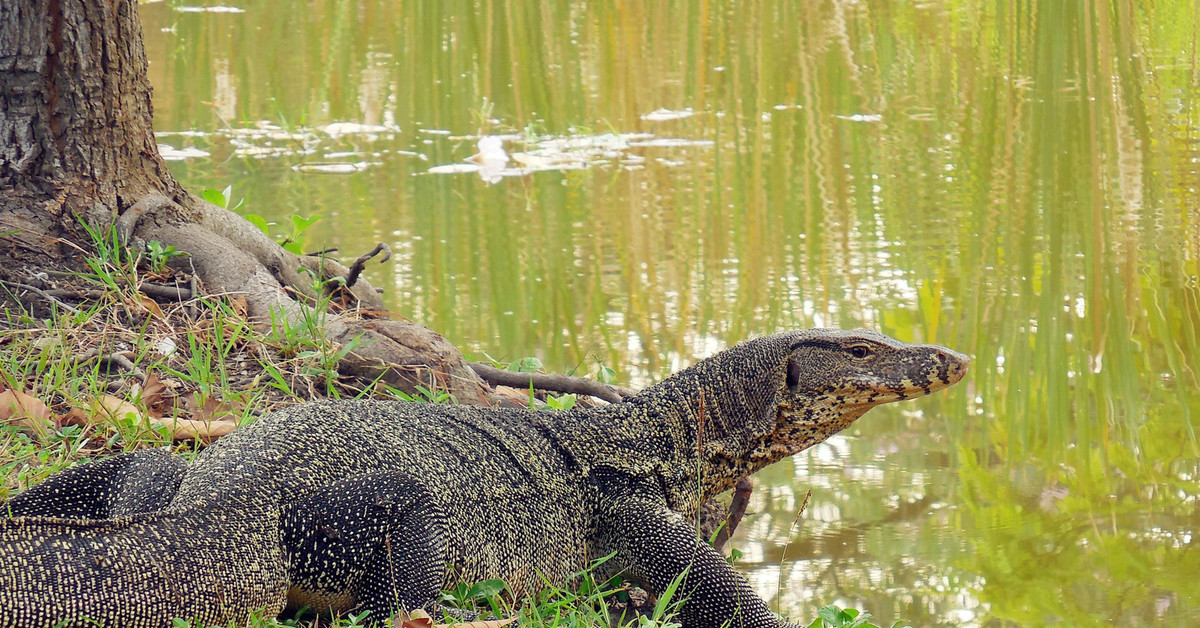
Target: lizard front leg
{"type": "Point", "coordinates": [372, 542]}
{"type": "Point", "coordinates": [653, 546]}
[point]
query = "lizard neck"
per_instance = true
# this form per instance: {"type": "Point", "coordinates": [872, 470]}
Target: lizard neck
{"type": "Point", "coordinates": [697, 432]}
{"type": "Point", "coordinates": [701, 430]}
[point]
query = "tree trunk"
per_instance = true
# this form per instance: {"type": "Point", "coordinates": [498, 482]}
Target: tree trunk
{"type": "Point", "coordinates": [77, 147]}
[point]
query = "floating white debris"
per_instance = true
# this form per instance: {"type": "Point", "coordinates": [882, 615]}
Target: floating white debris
{"type": "Point", "coordinates": [342, 167]}
{"type": "Point", "coordinates": [434, 131]}
{"type": "Point", "coordinates": [535, 162]}
{"type": "Point", "coordinates": [604, 141]}
{"type": "Point", "coordinates": [453, 169]}
{"type": "Point", "coordinates": [659, 115]}
{"type": "Point", "coordinates": [182, 133]}
{"type": "Point", "coordinates": [861, 117]}
{"type": "Point", "coordinates": [571, 152]}
{"type": "Point", "coordinates": [670, 142]}
{"type": "Point", "coordinates": [170, 153]}
{"type": "Point", "coordinates": [491, 158]}
{"type": "Point", "coordinates": [338, 129]}
{"type": "Point", "coordinates": [216, 9]}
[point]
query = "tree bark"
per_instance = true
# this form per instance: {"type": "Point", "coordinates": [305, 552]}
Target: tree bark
{"type": "Point", "coordinates": [77, 148]}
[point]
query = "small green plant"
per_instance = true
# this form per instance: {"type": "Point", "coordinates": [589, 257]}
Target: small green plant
{"type": "Point", "coordinates": [604, 374]}
{"type": "Point", "coordinates": [209, 346]}
{"type": "Point", "coordinates": [561, 402]}
{"type": "Point", "coordinates": [302, 338]}
{"type": "Point", "coordinates": [221, 199]}
{"type": "Point", "coordinates": [290, 242]}
{"type": "Point", "coordinates": [111, 266]}
{"type": "Point", "coordinates": [526, 365]}
{"type": "Point", "coordinates": [423, 395]}
{"type": "Point", "coordinates": [832, 616]}
{"type": "Point", "coordinates": [300, 224]}
{"type": "Point", "coordinates": [158, 255]}
{"type": "Point", "coordinates": [481, 596]}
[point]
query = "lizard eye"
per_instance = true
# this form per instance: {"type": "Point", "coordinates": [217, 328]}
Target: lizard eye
{"type": "Point", "coordinates": [859, 351]}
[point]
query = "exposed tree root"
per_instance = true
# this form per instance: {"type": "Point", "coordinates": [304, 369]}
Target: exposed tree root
{"type": "Point", "coordinates": [556, 383]}
{"type": "Point", "coordinates": [231, 256]}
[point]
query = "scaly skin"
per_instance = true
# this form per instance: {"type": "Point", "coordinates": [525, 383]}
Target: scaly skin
{"type": "Point", "coordinates": [375, 505]}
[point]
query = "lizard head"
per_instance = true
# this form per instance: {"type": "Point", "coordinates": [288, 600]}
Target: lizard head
{"type": "Point", "coordinates": [862, 369]}
{"type": "Point", "coordinates": [768, 398]}
{"type": "Point", "coordinates": [827, 378]}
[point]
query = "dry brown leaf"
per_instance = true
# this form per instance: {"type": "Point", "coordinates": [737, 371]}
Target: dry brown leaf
{"type": "Point", "coordinates": [494, 623]}
{"type": "Point", "coordinates": [75, 416]}
{"type": "Point", "coordinates": [421, 619]}
{"type": "Point", "coordinates": [144, 303]}
{"type": "Point", "coordinates": [210, 409]}
{"type": "Point", "coordinates": [204, 431]}
{"type": "Point", "coordinates": [239, 306]}
{"type": "Point", "coordinates": [415, 619]}
{"type": "Point", "coordinates": [114, 408]}
{"type": "Point", "coordinates": [154, 393]}
{"type": "Point", "coordinates": [152, 306]}
{"type": "Point", "coordinates": [18, 408]}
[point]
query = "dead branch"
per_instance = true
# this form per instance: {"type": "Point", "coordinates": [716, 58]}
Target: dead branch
{"type": "Point", "coordinates": [157, 291]}
{"type": "Point", "coordinates": [38, 291]}
{"type": "Point", "coordinates": [544, 381]}
{"type": "Point", "coordinates": [119, 359]}
{"type": "Point", "coordinates": [357, 267]}
{"type": "Point", "coordinates": [737, 509]}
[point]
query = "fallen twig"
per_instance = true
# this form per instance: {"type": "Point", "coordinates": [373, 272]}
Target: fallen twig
{"type": "Point", "coordinates": [39, 292]}
{"type": "Point", "coordinates": [174, 293]}
{"type": "Point", "coordinates": [119, 359]}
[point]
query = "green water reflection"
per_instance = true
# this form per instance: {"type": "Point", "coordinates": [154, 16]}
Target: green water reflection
{"type": "Point", "coordinates": [1015, 180]}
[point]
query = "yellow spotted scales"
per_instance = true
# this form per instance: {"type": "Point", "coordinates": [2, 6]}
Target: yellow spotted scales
{"type": "Point", "coordinates": [371, 505]}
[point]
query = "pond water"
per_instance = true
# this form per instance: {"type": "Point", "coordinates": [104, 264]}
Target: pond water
{"type": "Point", "coordinates": [654, 182]}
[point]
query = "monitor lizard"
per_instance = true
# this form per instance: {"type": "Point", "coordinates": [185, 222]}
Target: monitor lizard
{"type": "Point", "coordinates": [376, 505]}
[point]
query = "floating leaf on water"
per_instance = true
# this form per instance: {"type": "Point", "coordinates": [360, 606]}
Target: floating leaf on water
{"type": "Point", "coordinates": [491, 158]}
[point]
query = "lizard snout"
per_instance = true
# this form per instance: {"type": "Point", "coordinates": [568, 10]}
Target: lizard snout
{"type": "Point", "coordinates": [952, 365]}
